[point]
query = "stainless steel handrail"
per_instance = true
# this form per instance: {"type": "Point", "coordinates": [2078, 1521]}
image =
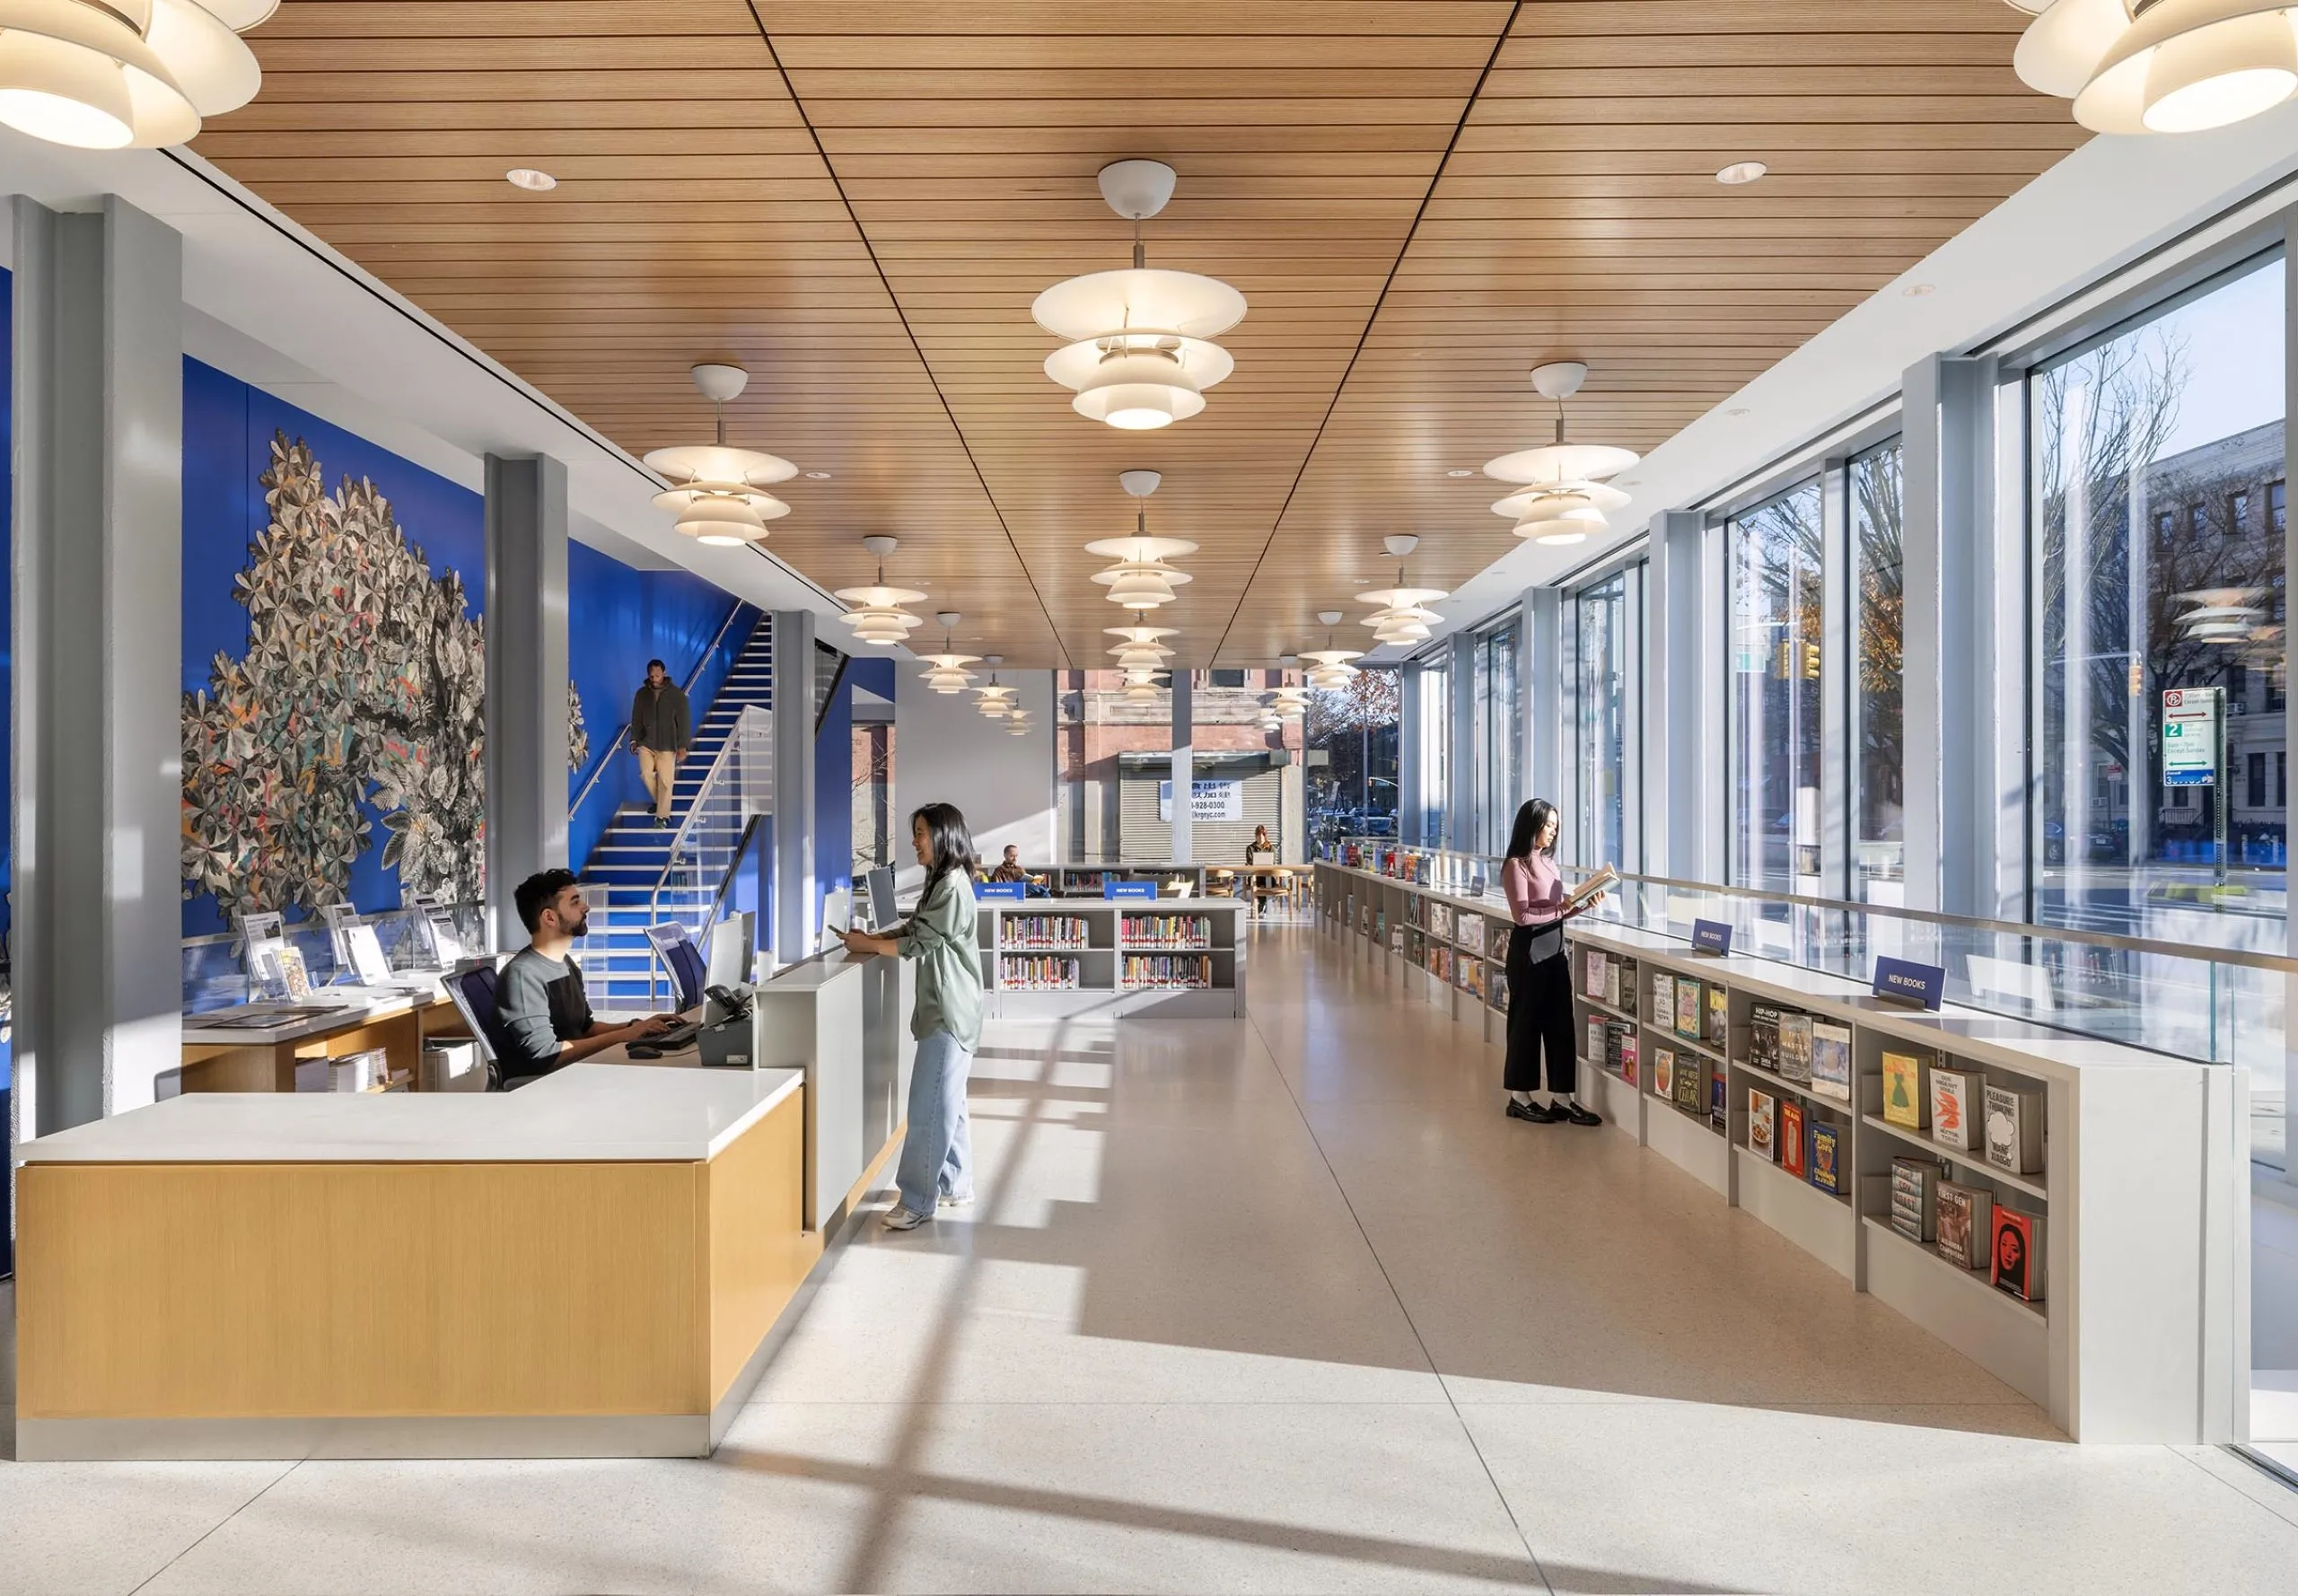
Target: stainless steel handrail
{"type": "Point", "coordinates": [728, 754]}
{"type": "Point", "coordinates": [2031, 930]}
{"type": "Point", "coordinates": [623, 731]}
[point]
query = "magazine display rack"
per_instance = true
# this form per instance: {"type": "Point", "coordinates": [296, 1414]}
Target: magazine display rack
{"type": "Point", "coordinates": [2124, 1220]}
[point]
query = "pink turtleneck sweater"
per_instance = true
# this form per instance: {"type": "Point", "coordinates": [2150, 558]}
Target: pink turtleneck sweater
{"type": "Point", "coordinates": [1535, 890]}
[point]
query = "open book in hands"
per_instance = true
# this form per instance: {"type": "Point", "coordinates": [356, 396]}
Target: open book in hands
{"type": "Point", "coordinates": [1587, 891]}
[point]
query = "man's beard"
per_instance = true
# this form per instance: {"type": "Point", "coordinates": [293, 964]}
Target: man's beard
{"type": "Point", "coordinates": [581, 928]}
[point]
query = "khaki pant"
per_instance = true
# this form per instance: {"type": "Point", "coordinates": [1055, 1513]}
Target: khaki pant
{"type": "Point", "coordinates": [658, 767]}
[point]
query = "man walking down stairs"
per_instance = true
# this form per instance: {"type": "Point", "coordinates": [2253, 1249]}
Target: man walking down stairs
{"type": "Point", "coordinates": [660, 734]}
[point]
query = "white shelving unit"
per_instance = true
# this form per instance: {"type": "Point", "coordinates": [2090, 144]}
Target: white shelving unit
{"type": "Point", "coordinates": [1103, 984]}
{"type": "Point", "coordinates": [2139, 1199]}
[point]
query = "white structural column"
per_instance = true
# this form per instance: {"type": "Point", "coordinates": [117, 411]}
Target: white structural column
{"type": "Point", "coordinates": [98, 674]}
{"type": "Point", "coordinates": [796, 672]}
{"type": "Point", "coordinates": [1410, 803]}
{"type": "Point", "coordinates": [1961, 718]}
{"type": "Point", "coordinates": [526, 679]}
{"type": "Point", "coordinates": [1460, 818]}
{"type": "Point", "coordinates": [1184, 767]}
{"type": "Point", "coordinates": [1682, 789]}
{"type": "Point", "coordinates": [1548, 768]}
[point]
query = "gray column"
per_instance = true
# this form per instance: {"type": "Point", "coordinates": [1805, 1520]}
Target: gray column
{"type": "Point", "coordinates": [97, 612]}
{"type": "Point", "coordinates": [1184, 766]}
{"type": "Point", "coordinates": [1548, 768]}
{"type": "Point", "coordinates": [1460, 818]}
{"type": "Point", "coordinates": [1410, 733]}
{"type": "Point", "coordinates": [526, 679]}
{"type": "Point", "coordinates": [796, 673]}
{"type": "Point", "coordinates": [1953, 611]}
{"type": "Point", "coordinates": [1682, 759]}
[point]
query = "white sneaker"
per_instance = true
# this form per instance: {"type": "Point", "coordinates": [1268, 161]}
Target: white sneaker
{"type": "Point", "coordinates": [956, 1202]}
{"type": "Point", "coordinates": [898, 1218]}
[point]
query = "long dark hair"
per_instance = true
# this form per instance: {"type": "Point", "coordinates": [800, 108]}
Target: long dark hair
{"type": "Point", "coordinates": [946, 834]}
{"type": "Point", "coordinates": [1532, 819]}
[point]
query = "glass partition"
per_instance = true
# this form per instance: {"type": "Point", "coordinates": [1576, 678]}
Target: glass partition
{"type": "Point", "coordinates": [1774, 698]}
{"type": "Point", "coordinates": [1878, 678]}
{"type": "Point", "coordinates": [1602, 718]}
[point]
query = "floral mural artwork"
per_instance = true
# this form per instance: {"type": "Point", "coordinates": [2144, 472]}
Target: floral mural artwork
{"type": "Point", "coordinates": [578, 735]}
{"type": "Point", "coordinates": [364, 684]}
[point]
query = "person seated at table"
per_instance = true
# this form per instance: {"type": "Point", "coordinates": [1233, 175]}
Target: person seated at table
{"type": "Point", "coordinates": [1260, 845]}
{"type": "Point", "coordinates": [1010, 869]}
{"type": "Point", "coordinates": [545, 1017]}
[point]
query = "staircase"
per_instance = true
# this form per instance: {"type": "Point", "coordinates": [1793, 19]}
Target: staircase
{"type": "Point", "coordinates": [620, 879]}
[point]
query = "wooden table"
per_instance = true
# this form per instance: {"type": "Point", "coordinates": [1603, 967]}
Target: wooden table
{"type": "Point", "coordinates": [264, 1058]}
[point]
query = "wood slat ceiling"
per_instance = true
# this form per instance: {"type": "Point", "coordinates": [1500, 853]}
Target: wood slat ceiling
{"type": "Point", "coordinates": [1419, 198]}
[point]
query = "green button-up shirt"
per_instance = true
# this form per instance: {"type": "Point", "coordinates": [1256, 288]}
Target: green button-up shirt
{"type": "Point", "coordinates": [940, 935]}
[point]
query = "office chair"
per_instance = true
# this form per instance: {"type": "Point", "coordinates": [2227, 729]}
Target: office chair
{"type": "Point", "coordinates": [473, 992]}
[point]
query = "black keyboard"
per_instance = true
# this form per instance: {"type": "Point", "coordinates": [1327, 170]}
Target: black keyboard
{"type": "Point", "coordinates": [675, 1038]}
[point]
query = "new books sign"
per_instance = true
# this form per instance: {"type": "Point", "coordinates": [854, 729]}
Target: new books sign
{"type": "Point", "coordinates": [1208, 800]}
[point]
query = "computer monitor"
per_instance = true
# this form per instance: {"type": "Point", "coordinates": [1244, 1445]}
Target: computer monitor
{"type": "Point", "coordinates": [731, 943]}
{"type": "Point", "coordinates": [676, 949]}
{"type": "Point", "coordinates": [883, 909]}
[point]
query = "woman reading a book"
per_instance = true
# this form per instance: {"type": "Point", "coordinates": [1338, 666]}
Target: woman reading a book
{"type": "Point", "coordinates": [1539, 975]}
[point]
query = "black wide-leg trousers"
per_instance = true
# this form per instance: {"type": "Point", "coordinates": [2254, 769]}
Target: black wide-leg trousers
{"type": "Point", "coordinates": [1540, 1015]}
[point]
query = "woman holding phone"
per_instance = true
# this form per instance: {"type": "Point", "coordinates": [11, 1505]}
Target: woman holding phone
{"type": "Point", "coordinates": [1539, 975]}
{"type": "Point", "coordinates": [936, 1167]}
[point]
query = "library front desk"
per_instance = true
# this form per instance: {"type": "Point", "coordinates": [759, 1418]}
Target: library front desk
{"type": "Point", "coordinates": [589, 1266]}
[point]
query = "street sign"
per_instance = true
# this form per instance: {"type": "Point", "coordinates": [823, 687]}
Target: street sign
{"type": "Point", "coordinates": [2190, 737]}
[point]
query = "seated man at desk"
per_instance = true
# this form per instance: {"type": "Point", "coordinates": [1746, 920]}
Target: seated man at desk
{"type": "Point", "coordinates": [1009, 868]}
{"type": "Point", "coordinates": [545, 1016]}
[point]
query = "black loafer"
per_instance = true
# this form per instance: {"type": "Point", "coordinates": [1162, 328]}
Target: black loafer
{"type": "Point", "coordinates": [1537, 1113]}
{"type": "Point", "coordinates": [1574, 1114]}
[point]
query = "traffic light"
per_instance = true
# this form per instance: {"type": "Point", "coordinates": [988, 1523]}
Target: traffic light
{"type": "Point", "coordinates": [1810, 662]}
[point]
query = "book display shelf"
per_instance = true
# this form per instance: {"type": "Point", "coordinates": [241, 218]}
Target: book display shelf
{"type": "Point", "coordinates": [1175, 957]}
{"type": "Point", "coordinates": [1452, 948]}
{"type": "Point", "coordinates": [1086, 880]}
{"type": "Point", "coordinates": [2049, 1205]}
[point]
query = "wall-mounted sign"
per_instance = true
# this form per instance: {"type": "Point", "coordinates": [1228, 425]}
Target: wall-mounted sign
{"type": "Point", "coordinates": [2190, 737]}
{"type": "Point", "coordinates": [1208, 800]}
{"type": "Point", "coordinates": [1904, 981]}
{"type": "Point", "coordinates": [1711, 936]}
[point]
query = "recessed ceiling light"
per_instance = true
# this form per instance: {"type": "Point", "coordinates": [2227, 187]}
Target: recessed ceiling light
{"type": "Point", "coordinates": [1916, 290]}
{"type": "Point", "coordinates": [1630, 482]}
{"type": "Point", "coordinates": [1460, 471]}
{"type": "Point", "coordinates": [1737, 411]}
{"type": "Point", "coordinates": [1742, 172]}
{"type": "Point", "coordinates": [816, 475]}
{"type": "Point", "coordinates": [531, 180]}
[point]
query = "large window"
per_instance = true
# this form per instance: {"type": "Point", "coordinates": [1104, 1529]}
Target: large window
{"type": "Point", "coordinates": [1600, 647]}
{"type": "Point", "coordinates": [1499, 771]}
{"type": "Point", "coordinates": [1774, 746]}
{"type": "Point", "coordinates": [2155, 495]}
{"type": "Point", "coordinates": [1878, 678]}
{"type": "Point", "coordinates": [1351, 749]}
{"type": "Point", "coordinates": [1435, 712]}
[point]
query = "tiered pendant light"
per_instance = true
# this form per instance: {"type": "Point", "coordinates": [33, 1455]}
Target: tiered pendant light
{"type": "Point", "coordinates": [1140, 578]}
{"type": "Point", "coordinates": [1141, 354]}
{"type": "Point", "coordinates": [1019, 724]}
{"type": "Point", "coordinates": [2161, 66]}
{"type": "Point", "coordinates": [993, 701]}
{"type": "Point", "coordinates": [1284, 702]}
{"type": "Point", "coordinates": [1563, 497]}
{"type": "Point", "coordinates": [946, 672]}
{"type": "Point", "coordinates": [876, 613]}
{"type": "Point", "coordinates": [1402, 616]}
{"type": "Point", "coordinates": [718, 490]}
{"type": "Point", "coordinates": [110, 74]}
{"type": "Point", "coordinates": [1331, 669]}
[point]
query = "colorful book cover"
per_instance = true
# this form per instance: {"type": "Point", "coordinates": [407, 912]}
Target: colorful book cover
{"type": "Point", "coordinates": [1966, 1221]}
{"type": "Point", "coordinates": [1719, 1017]}
{"type": "Point", "coordinates": [1790, 1137]}
{"type": "Point", "coordinates": [2014, 1129]}
{"type": "Point", "coordinates": [1826, 1170]}
{"type": "Point", "coordinates": [1904, 1100]}
{"type": "Point", "coordinates": [1691, 1082]}
{"type": "Point", "coordinates": [1596, 1043]}
{"type": "Point", "coordinates": [1612, 982]}
{"type": "Point", "coordinates": [1663, 1072]}
{"type": "Point", "coordinates": [2015, 1257]}
{"type": "Point", "coordinates": [1687, 1009]}
{"type": "Point", "coordinates": [1630, 1054]}
{"type": "Point", "coordinates": [1955, 1108]}
{"type": "Point", "coordinates": [1719, 1111]}
{"type": "Point", "coordinates": [1795, 1047]}
{"type": "Point", "coordinates": [1592, 978]}
{"type": "Point", "coordinates": [1831, 1061]}
{"type": "Point", "coordinates": [1496, 989]}
{"type": "Point", "coordinates": [1761, 1109]}
{"type": "Point", "coordinates": [1664, 998]}
{"type": "Point", "coordinates": [1763, 1037]}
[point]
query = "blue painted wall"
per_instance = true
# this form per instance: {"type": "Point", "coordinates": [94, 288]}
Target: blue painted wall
{"type": "Point", "coordinates": [228, 426]}
{"type": "Point", "coordinates": [617, 619]}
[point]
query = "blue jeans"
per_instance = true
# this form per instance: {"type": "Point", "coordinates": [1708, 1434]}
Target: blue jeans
{"type": "Point", "coordinates": [937, 1152]}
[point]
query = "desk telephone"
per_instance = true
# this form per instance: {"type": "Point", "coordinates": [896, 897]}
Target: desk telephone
{"type": "Point", "coordinates": [723, 1030]}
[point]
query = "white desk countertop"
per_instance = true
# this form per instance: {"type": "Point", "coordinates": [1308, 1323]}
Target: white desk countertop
{"type": "Point", "coordinates": [586, 1113]}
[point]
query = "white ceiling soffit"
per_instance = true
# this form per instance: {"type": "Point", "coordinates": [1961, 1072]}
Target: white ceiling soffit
{"type": "Point", "coordinates": [274, 306]}
{"type": "Point", "coordinates": [2104, 206]}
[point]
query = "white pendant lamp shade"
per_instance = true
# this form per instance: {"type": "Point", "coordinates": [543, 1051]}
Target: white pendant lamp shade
{"type": "Point", "coordinates": [1330, 669]}
{"type": "Point", "coordinates": [716, 490]}
{"type": "Point", "coordinates": [2174, 67]}
{"type": "Point", "coordinates": [124, 73]}
{"type": "Point", "coordinates": [947, 672]}
{"type": "Point", "coordinates": [1139, 354]}
{"type": "Point", "coordinates": [1554, 464]}
{"type": "Point", "coordinates": [1140, 578]}
{"type": "Point", "coordinates": [1563, 497]}
{"type": "Point", "coordinates": [993, 701]}
{"type": "Point", "coordinates": [875, 612]}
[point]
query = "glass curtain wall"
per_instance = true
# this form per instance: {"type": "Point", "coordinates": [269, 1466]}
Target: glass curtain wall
{"type": "Point", "coordinates": [1774, 773]}
{"type": "Point", "coordinates": [1601, 729]}
{"type": "Point", "coordinates": [1435, 712]}
{"type": "Point", "coordinates": [1878, 674]}
{"type": "Point", "coordinates": [2157, 513]}
{"type": "Point", "coordinates": [1499, 756]}
{"type": "Point", "coordinates": [1350, 735]}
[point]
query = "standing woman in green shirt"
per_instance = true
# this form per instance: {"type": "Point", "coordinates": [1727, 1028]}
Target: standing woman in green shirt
{"type": "Point", "coordinates": [937, 1152]}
